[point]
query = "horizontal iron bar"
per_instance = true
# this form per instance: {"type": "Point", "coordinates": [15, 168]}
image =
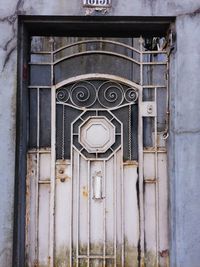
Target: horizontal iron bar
{"type": "Point", "coordinates": [40, 151]}
{"type": "Point", "coordinates": [130, 162]}
{"type": "Point", "coordinates": [44, 182]}
{"type": "Point", "coordinates": [154, 86]}
{"type": "Point", "coordinates": [159, 150]}
{"type": "Point", "coordinates": [39, 87]}
{"type": "Point", "coordinates": [40, 63]}
{"type": "Point", "coordinates": [63, 162]}
{"type": "Point", "coordinates": [41, 53]}
{"type": "Point", "coordinates": [150, 181]}
{"type": "Point", "coordinates": [96, 257]}
{"type": "Point", "coordinates": [154, 63]}
{"type": "Point", "coordinates": [154, 52]}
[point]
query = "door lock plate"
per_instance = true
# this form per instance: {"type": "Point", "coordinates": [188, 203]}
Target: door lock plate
{"type": "Point", "coordinates": [148, 109]}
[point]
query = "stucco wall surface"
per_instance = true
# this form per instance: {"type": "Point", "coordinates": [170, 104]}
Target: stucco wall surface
{"type": "Point", "coordinates": [184, 159]}
{"type": "Point", "coordinates": [185, 139]}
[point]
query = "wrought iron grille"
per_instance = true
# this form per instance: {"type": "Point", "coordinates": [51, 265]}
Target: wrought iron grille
{"type": "Point", "coordinates": [74, 81]}
{"type": "Point", "coordinates": [98, 97]}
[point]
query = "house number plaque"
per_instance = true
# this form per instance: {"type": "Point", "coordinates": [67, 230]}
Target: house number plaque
{"type": "Point", "coordinates": [97, 3]}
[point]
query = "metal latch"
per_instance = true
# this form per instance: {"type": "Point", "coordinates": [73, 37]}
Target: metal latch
{"type": "Point", "coordinates": [148, 109]}
{"type": "Point", "coordinates": [97, 186]}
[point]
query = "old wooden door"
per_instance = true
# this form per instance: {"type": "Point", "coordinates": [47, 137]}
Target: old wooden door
{"type": "Point", "coordinates": [96, 175]}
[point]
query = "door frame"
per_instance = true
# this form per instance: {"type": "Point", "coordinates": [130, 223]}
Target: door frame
{"type": "Point", "coordinates": [60, 26]}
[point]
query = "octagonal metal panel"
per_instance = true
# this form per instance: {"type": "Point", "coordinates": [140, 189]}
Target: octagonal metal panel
{"type": "Point", "coordinates": [97, 134]}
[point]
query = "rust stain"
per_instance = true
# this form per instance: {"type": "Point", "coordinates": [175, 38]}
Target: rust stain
{"type": "Point", "coordinates": [164, 253]}
{"type": "Point", "coordinates": [85, 192]}
{"type": "Point", "coordinates": [63, 178]}
{"type": "Point", "coordinates": [142, 264]}
{"type": "Point", "coordinates": [49, 260]}
{"type": "Point", "coordinates": [61, 172]}
{"type": "Point", "coordinates": [36, 264]}
{"type": "Point", "coordinates": [150, 180]}
{"type": "Point", "coordinates": [131, 163]}
{"type": "Point", "coordinates": [42, 150]}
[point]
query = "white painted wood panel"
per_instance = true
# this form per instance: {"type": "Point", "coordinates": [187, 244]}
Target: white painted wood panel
{"type": "Point", "coordinates": [83, 202]}
{"type": "Point", "coordinates": [117, 182]}
{"type": "Point", "coordinates": [149, 166]}
{"type": "Point", "coordinates": [163, 210]}
{"type": "Point", "coordinates": [96, 214]}
{"type": "Point", "coordinates": [45, 166]}
{"type": "Point", "coordinates": [150, 209]}
{"type": "Point", "coordinates": [75, 172]}
{"type": "Point", "coordinates": [131, 215]}
{"type": "Point", "coordinates": [109, 198]}
{"type": "Point", "coordinates": [31, 244]}
{"type": "Point", "coordinates": [62, 214]}
{"type": "Point", "coordinates": [43, 224]}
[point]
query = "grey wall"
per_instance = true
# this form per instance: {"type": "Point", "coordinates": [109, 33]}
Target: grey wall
{"type": "Point", "coordinates": [184, 159]}
{"type": "Point", "coordinates": [185, 138]}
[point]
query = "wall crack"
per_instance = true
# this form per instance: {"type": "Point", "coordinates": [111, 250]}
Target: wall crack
{"type": "Point", "coordinates": [192, 14]}
{"type": "Point", "coordinates": [11, 20]}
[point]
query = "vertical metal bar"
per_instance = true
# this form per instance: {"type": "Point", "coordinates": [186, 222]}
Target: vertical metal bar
{"type": "Point", "coordinates": [115, 211]}
{"type": "Point", "coordinates": [63, 132]}
{"type": "Point", "coordinates": [140, 148]}
{"type": "Point", "coordinates": [122, 205]}
{"type": "Point", "coordinates": [129, 132]}
{"type": "Point", "coordinates": [156, 184]}
{"type": "Point", "coordinates": [167, 97]}
{"type": "Point", "coordinates": [88, 219]}
{"type": "Point", "coordinates": [37, 180]}
{"type": "Point", "coordinates": [53, 159]}
{"type": "Point", "coordinates": [38, 118]}
{"type": "Point", "coordinates": [77, 210]}
{"type": "Point", "coordinates": [71, 204]}
{"type": "Point", "coordinates": [104, 213]}
{"type": "Point", "coordinates": [166, 132]}
{"type": "Point", "coordinates": [141, 60]}
{"type": "Point", "coordinates": [52, 194]}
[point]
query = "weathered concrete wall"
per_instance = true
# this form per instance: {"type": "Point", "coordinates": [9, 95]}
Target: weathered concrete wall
{"type": "Point", "coordinates": [7, 149]}
{"type": "Point", "coordinates": [185, 132]}
{"type": "Point", "coordinates": [185, 182]}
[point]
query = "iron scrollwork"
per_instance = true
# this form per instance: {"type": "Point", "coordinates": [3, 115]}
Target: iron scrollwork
{"type": "Point", "coordinates": [85, 94]}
